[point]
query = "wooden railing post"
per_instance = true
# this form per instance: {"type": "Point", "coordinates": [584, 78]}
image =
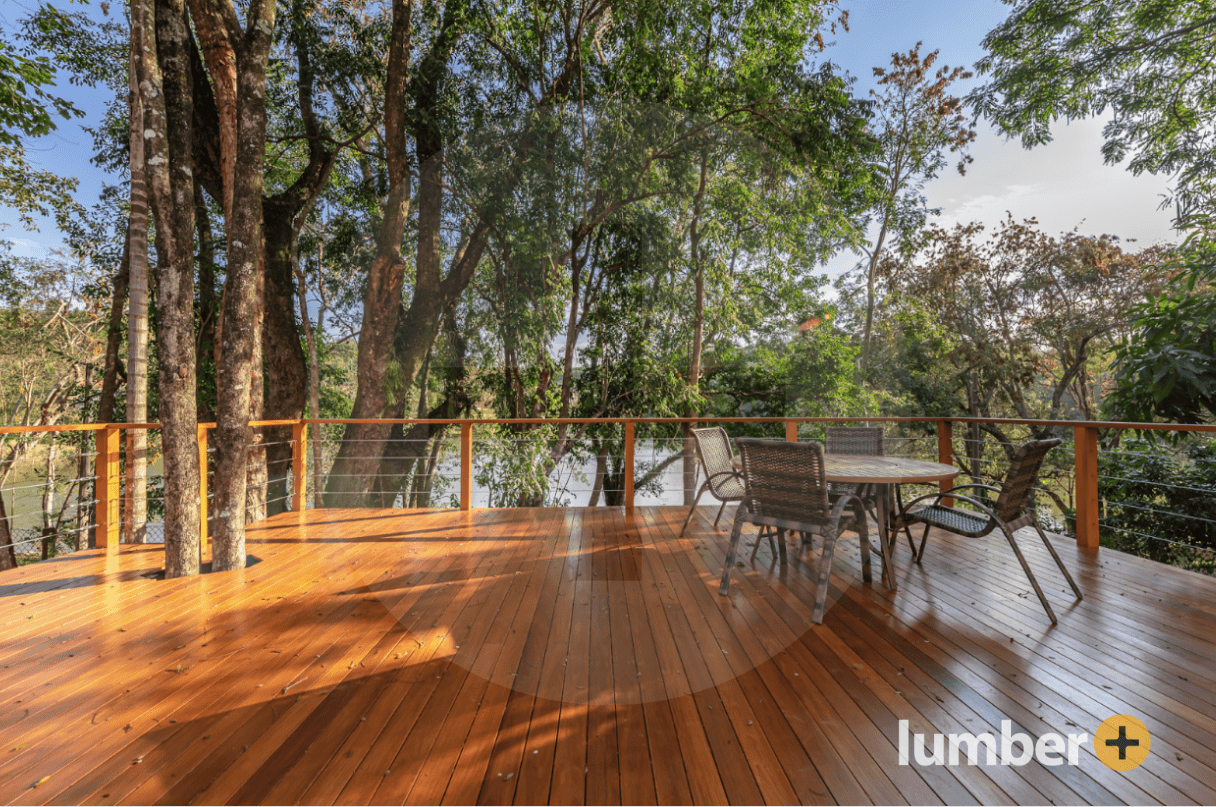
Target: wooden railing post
{"type": "Point", "coordinates": [203, 535]}
{"type": "Point", "coordinates": [629, 465]}
{"type": "Point", "coordinates": [299, 466]}
{"type": "Point", "coordinates": [466, 466]}
{"type": "Point", "coordinates": [1085, 454]}
{"type": "Point", "coordinates": [105, 472]}
{"type": "Point", "coordinates": [791, 431]}
{"type": "Point", "coordinates": [945, 455]}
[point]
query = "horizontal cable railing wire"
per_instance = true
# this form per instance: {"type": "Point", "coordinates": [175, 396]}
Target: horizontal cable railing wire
{"type": "Point", "coordinates": [521, 462]}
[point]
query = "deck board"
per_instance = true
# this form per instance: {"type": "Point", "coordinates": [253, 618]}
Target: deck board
{"type": "Point", "coordinates": [584, 656]}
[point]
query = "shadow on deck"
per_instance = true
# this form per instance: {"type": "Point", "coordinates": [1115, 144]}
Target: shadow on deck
{"type": "Point", "coordinates": [584, 656]}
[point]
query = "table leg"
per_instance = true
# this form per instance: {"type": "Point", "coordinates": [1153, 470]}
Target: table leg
{"type": "Point", "coordinates": [888, 573]}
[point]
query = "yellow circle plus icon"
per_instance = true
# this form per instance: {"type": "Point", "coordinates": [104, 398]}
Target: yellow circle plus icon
{"type": "Point", "coordinates": [1122, 742]}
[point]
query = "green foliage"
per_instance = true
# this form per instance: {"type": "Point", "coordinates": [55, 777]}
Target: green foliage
{"type": "Point", "coordinates": [31, 191]}
{"type": "Point", "coordinates": [28, 108]}
{"type": "Point", "coordinates": [1166, 368]}
{"type": "Point", "coordinates": [25, 107]}
{"type": "Point", "coordinates": [916, 363]}
{"type": "Point", "coordinates": [1029, 317]}
{"type": "Point", "coordinates": [1168, 493]}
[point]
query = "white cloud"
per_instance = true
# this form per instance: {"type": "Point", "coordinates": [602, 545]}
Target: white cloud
{"type": "Point", "coordinates": [1063, 184]}
{"type": "Point", "coordinates": [27, 248]}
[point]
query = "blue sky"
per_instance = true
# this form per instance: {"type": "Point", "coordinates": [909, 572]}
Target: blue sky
{"type": "Point", "coordinates": [1064, 184]}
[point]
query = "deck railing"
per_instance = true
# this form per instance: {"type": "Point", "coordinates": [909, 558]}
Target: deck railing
{"type": "Point", "coordinates": [294, 487]}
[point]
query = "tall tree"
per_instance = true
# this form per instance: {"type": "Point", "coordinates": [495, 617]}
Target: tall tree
{"type": "Point", "coordinates": [135, 513]}
{"type": "Point", "coordinates": [236, 60]}
{"type": "Point", "coordinates": [168, 117]}
{"type": "Point", "coordinates": [284, 214]}
{"type": "Point", "coordinates": [918, 122]}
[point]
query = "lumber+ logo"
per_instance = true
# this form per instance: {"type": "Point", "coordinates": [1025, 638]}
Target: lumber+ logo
{"type": "Point", "coordinates": [1121, 743]}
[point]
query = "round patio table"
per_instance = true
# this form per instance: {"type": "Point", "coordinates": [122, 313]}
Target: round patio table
{"type": "Point", "coordinates": [882, 473]}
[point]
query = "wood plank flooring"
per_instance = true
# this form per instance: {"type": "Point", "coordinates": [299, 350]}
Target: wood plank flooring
{"type": "Point", "coordinates": [573, 656]}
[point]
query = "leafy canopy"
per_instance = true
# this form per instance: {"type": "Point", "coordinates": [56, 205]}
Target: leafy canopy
{"type": "Point", "coordinates": [26, 110]}
{"type": "Point", "coordinates": [1167, 368]}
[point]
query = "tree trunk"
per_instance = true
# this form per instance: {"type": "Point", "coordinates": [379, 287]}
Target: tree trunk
{"type": "Point", "coordinates": [208, 313]}
{"type": "Point", "coordinates": [255, 481]}
{"type": "Point", "coordinates": [135, 513]}
{"type": "Point", "coordinates": [312, 337]}
{"type": "Point", "coordinates": [698, 330]}
{"type": "Point", "coordinates": [286, 374]}
{"type": "Point", "coordinates": [601, 468]}
{"type": "Point", "coordinates": [871, 276]}
{"type": "Point", "coordinates": [113, 367]}
{"type": "Point", "coordinates": [350, 479]}
{"type": "Point", "coordinates": [422, 494]}
{"type": "Point", "coordinates": [48, 502]}
{"type": "Point", "coordinates": [239, 332]}
{"type": "Point", "coordinates": [169, 134]}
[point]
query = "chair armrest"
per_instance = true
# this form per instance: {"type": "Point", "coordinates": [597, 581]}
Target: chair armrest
{"type": "Point", "coordinates": [860, 514]}
{"type": "Point", "coordinates": [970, 485]}
{"type": "Point", "coordinates": [733, 474]}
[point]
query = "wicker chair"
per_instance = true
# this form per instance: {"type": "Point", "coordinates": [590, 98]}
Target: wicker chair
{"type": "Point", "coordinates": [721, 478]}
{"type": "Point", "coordinates": [1010, 513]}
{"type": "Point", "coordinates": [785, 489]}
{"type": "Point", "coordinates": [858, 441]}
{"type": "Point", "coordinates": [868, 441]}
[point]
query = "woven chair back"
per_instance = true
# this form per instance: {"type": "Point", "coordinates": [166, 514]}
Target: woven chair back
{"type": "Point", "coordinates": [1023, 471]}
{"type": "Point", "coordinates": [784, 481]}
{"type": "Point", "coordinates": [713, 447]}
{"type": "Point", "coordinates": [864, 441]}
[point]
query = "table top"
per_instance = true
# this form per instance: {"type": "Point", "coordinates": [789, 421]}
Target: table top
{"type": "Point", "coordinates": [884, 470]}
{"type": "Point", "coordinates": [881, 470]}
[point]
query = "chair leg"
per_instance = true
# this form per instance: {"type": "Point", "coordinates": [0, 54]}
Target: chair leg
{"type": "Point", "coordinates": [863, 536]}
{"type": "Point", "coordinates": [825, 572]}
{"type": "Point", "coordinates": [1029, 574]}
{"type": "Point", "coordinates": [899, 506]}
{"type": "Point", "coordinates": [920, 554]}
{"type": "Point", "coordinates": [740, 517]}
{"type": "Point", "coordinates": [781, 545]}
{"type": "Point", "coordinates": [1059, 562]}
{"type": "Point", "coordinates": [693, 509]}
{"type": "Point", "coordinates": [719, 518]}
{"type": "Point", "coordinates": [760, 534]}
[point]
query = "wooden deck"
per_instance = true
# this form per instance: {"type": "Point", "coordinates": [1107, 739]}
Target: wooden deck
{"type": "Point", "coordinates": [583, 656]}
